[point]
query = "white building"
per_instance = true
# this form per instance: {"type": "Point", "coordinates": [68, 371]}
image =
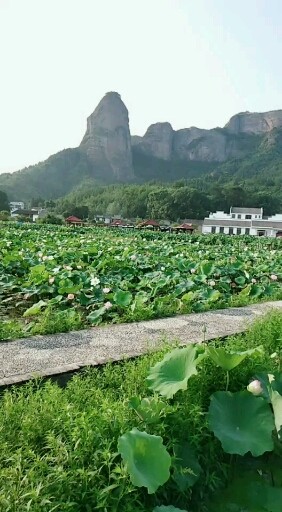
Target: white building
{"type": "Point", "coordinates": [16, 205]}
{"type": "Point", "coordinates": [243, 221]}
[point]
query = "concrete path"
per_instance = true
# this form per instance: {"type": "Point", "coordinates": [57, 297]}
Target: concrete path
{"type": "Point", "coordinates": [55, 354]}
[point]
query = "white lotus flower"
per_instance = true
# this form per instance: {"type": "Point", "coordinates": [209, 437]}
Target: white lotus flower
{"type": "Point", "coordinates": [106, 290]}
{"type": "Point", "coordinates": [108, 305]}
{"type": "Point", "coordinates": [273, 277]}
{"type": "Point", "coordinates": [94, 281]}
{"type": "Point", "coordinates": [255, 388]}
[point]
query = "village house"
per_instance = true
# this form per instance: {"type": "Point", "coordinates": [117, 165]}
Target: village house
{"type": "Point", "coordinates": [243, 221]}
{"type": "Point", "coordinates": [16, 205]}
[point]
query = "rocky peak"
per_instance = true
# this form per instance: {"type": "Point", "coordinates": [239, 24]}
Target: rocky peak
{"type": "Point", "coordinates": [107, 139]}
{"type": "Point", "coordinates": [255, 122]}
{"type": "Point", "coordinates": [157, 141]}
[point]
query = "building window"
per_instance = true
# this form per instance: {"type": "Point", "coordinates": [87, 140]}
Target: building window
{"type": "Point", "coordinates": [261, 232]}
{"type": "Point", "coordinates": [230, 231]}
{"type": "Point", "coordinates": [233, 216]}
{"type": "Point", "coordinates": [213, 229]}
{"type": "Point", "coordinates": [248, 217]}
{"type": "Point", "coordinates": [239, 215]}
{"type": "Point", "coordinates": [221, 229]}
{"type": "Point", "coordinates": [247, 231]}
{"type": "Point", "coordinates": [239, 231]}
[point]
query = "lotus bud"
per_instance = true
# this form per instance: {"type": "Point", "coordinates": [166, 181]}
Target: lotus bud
{"type": "Point", "coordinates": [255, 388]}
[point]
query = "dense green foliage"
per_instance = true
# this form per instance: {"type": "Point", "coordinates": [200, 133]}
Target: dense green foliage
{"type": "Point", "coordinates": [4, 203]}
{"type": "Point", "coordinates": [58, 447]}
{"type": "Point", "coordinates": [54, 277]}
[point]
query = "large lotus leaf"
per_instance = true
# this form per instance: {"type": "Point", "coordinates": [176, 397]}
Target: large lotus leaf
{"type": "Point", "coordinates": [186, 467]}
{"type": "Point", "coordinates": [35, 309]}
{"type": "Point", "coordinates": [242, 422]}
{"type": "Point", "coordinates": [169, 508]}
{"type": "Point", "coordinates": [276, 401]}
{"type": "Point", "coordinates": [122, 298]}
{"type": "Point", "coordinates": [146, 459]}
{"type": "Point", "coordinates": [172, 373]}
{"type": "Point", "coordinates": [96, 315]}
{"type": "Point", "coordinates": [248, 493]}
{"type": "Point", "coordinates": [229, 360]}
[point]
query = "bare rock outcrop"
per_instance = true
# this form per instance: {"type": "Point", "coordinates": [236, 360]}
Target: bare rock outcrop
{"type": "Point", "coordinates": [157, 141]}
{"type": "Point", "coordinates": [254, 122]}
{"type": "Point", "coordinates": [107, 141]}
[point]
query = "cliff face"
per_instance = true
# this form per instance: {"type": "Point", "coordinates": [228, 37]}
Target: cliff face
{"type": "Point", "coordinates": [216, 145]}
{"type": "Point", "coordinates": [107, 141]}
{"type": "Point", "coordinates": [255, 123]}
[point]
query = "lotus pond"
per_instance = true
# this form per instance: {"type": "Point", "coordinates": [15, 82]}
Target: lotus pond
{"type": "Point", "coordinates": [54, 278]}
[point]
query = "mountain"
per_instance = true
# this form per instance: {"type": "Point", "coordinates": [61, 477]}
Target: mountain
{"type": "Point", "coordinates": [109, 154]}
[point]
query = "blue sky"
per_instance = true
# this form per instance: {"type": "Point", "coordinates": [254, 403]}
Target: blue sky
{"type": "Point", "coordinates": [190, 62]}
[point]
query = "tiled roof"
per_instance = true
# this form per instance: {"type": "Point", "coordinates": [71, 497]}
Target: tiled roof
{"type": "Point", "coordinates": [267, 224]}
{"type": "Point", "coordinates": [232, 223]}
{"type": "Point", "coordinates": [256, 211]}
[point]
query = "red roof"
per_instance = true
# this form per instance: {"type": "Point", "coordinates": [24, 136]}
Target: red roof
{"type": "Point", "coordinates": [185, 226]}
{"type": "Point", "coordinates": [150, 222]}
{"type": "Point", "coordinates": [72, 218]}
{"type": "Point", "coordinates": [117, 222]}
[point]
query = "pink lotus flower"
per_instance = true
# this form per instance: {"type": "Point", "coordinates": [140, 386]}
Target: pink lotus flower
{"type": "Point", "coordinates": [255, 388]}
{"type": "Point", "coordinates": [70, 296]}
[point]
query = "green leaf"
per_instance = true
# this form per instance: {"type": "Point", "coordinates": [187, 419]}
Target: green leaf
{"type": "Point", "coordinates": [172, 373]}
{"type": "Point", "coordinates": [229, 360]}
{"type": "Point", "coordinates": [169, 508]}
{"type": "Point", "coordinates": [35, 309]}
{"type": "Point", "coordinates": [148, 409]}
{"type": "Point", "coordinates": [276, 401]}
{"type": "Point", "coordinates": [248, 493]}
{"type": "Point", "coordinates": [207, 268]}
{"type": "Point", "coordinates": [186, 467]}
{"type": "Point", "coordinates": [95, 315]}
{"type": "Point", "coordinates": [146, 459]}
{"type": "Point", "coordinates": [240, 280]}
{"type": "Point", "coordinates": [122, 298]}
{"type": "Point", "coordinates": [242, 422]}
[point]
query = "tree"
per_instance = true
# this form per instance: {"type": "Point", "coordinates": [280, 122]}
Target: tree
{"type": "Point", "coordinates": [4, 203]}
{"type": "Point", "coordinates": [52, 219]}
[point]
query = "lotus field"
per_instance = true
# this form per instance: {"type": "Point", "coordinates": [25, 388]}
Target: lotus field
{"type": "Point", "coordinates": [101, 275]}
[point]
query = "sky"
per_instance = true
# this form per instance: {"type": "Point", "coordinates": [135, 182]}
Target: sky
{"type": "Point", "coordinates": [189, 62]}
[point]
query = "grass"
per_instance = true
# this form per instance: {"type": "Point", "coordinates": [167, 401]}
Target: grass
{"type": "Point", "coordinates": [58, 445]}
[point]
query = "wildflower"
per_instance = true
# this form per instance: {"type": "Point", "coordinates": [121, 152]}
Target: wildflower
{"type": "Point", "coordinates": [106, 290]}
{"type": "Point", "coordinates": [70, 296]}
{"type": "Point", "coordinates": [254, 280]}
{"type": "Point", "coordinates": [51, 280]}
{"type": "Point", "coordinates": [108, 305]}
{"type": "Point", "coordinates": [94, 281]}
{"type": "Point", "coordinates": [272, 356]}
{"type": "Point", "coordinates": [193, 270]}
{"type": "Point", "coordinates": [273, 277]}
{"type": "Point", "coordinates": [212, 283]}
{"type": "Point", "coordinates": [255, 387]}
